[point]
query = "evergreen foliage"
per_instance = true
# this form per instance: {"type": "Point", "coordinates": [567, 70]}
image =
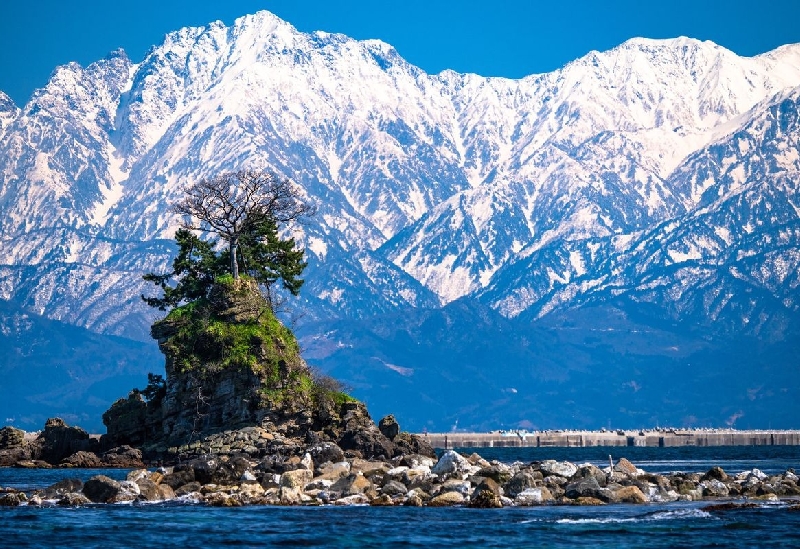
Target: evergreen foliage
{"type": "Point", "coordinates": [156, 388]}
{"type": "Point", "coordinates": [255, 247]}
{"type": "Point", "coordinates": [218, 320]}
{"type": "Point", "coordinates": [194, 271]}
{"type": "Point", "coordinates": [267, 258]}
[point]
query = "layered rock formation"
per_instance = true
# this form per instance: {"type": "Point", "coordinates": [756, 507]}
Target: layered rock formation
{"type": "Point", "coordinates": [231, 365]}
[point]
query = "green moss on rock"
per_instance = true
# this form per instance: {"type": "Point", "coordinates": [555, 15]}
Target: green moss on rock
{"type": "Point", "coordinates": [233, 328]}
{"type": "Point", "coordinates": [230, 362]}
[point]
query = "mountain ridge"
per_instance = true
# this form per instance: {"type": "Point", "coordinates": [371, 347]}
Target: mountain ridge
{"type": "Point", "coordinates": [536, 196]}
{"type": "Point", "coordinates": [109, 194]}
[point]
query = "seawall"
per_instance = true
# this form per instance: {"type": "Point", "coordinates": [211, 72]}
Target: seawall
{"type": "Point", "coordinates": [578, 439]}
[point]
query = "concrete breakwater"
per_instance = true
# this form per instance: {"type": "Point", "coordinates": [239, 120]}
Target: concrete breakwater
{"type": "Point", "coordinates": [578, 439]}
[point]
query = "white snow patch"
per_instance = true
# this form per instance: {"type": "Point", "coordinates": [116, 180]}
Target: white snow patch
{"type": "Point", "coordinates": [653, 201]}
{"type": "Point", "coordinates": [318, 246]}
{"type": "Point", "coordinates": [724, 234]}
{"type": "Point", "coordinates": [334, 166]}
{"type": "Point", "coordinates": [409, 295]}
{"type": "Point", "coordinates": [620, 242]}
{"type": "Point", "coordinates": [788, 158]}
{"type": "Point", "coordinates": [416, 206]}
{"type": "Point", "coordinates": [111, 196]}
{"type": "Point", "coordinates": [406, 372]}
{"type": "Point", "coordinates": [333, 296]}
{"type": "Point", "coordinates": [698, 190]}
{"type": "Point", "coordinates": [681, 257]}
{"type": "Point", "coordinates": [111, 193]}
{"type": "Point", "coordinates": [738, 176]}
{"type": "Point", "coordinates": [73, 251]}
{"type": "Point", "coordinates": [576, 260]}
{"type": "Point", "coordinates": [744, 146]}
{"type": "Point", "coordinates": [448, 280]}
{"type": "Point", "coordinates": [555, 277]}
{"type": "Point", "coordinates": [41, 171]}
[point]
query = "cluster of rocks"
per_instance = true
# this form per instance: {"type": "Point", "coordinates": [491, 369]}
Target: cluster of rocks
{"type": "Point", "coordinates": [61, 445]}
{"type": "Point", "coordinates": [358, 438]}
{"type": "Point", "coordinates": [325, 474]}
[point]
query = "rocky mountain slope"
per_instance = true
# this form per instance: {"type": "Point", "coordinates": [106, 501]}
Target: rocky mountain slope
{"type": "Point", "coordinates": [661, 175]}
{"type": "Point", "coordinates": [49, 369]}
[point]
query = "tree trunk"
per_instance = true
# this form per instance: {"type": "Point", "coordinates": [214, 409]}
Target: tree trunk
{"type": "Point", "coordinates": [234, 264]}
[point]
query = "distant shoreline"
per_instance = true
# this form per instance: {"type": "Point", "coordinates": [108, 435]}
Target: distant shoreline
{"type": "Point", "coordinates": [585, 439]}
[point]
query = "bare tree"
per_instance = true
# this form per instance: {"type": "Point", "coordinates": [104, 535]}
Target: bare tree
{"type": "Point", "coordinates": [232, 203]}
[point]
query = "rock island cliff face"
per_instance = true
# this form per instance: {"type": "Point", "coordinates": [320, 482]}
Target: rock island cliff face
{"type": "Point", "coordinates": [230, 365]}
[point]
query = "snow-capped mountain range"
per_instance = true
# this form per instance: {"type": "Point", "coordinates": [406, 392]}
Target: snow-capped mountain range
{"type": "Point", "coordinates": [663, 172]}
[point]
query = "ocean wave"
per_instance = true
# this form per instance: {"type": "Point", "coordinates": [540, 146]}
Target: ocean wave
{"type": "Point", "coordinates": [676, 514]}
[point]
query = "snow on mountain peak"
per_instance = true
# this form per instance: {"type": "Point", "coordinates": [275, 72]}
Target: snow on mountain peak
{"type": "Point", "coordinates": [8, 111]}
{"type": "Point", "coordinates": [6, 103]}
{"type": "Point", "coordinates": [445, 184]}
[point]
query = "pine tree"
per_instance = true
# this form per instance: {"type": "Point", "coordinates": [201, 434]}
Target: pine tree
{"type": "Point", "coordinates": [246, 210]}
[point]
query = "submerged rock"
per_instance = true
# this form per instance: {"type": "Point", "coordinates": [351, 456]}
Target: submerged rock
{"type": "Point", "coordinates": [73, 500]}
{"type": "Point", "coordinates": [12, 500]}
{"type": "Point", "coordinates": [62, 487]}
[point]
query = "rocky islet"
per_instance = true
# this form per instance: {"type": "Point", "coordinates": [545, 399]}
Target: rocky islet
{"type": "Point", "coordinates": [325, 474]}
{"type": "Point", "coordinates": [240, 420]}
{"type": "Point", "coordinates": [61, 445]}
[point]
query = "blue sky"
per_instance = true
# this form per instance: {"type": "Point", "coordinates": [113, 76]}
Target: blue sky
{"type": "Point", "coordinates": [509, 38]}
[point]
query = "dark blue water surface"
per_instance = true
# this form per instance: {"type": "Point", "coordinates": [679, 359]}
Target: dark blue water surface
{"type": "Point", "coordinates": [159, 526]}
{"type": "Point", "coordinates": [620, 526]}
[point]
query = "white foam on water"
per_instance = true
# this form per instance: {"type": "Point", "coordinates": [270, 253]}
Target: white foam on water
{"type": "Point", "coordinates": [676, 514]}
{"type": "Point", "coordinates": [191, 498]}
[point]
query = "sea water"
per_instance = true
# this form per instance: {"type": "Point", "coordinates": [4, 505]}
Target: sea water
{"type": "Point", "coordinates": [679, 524]}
